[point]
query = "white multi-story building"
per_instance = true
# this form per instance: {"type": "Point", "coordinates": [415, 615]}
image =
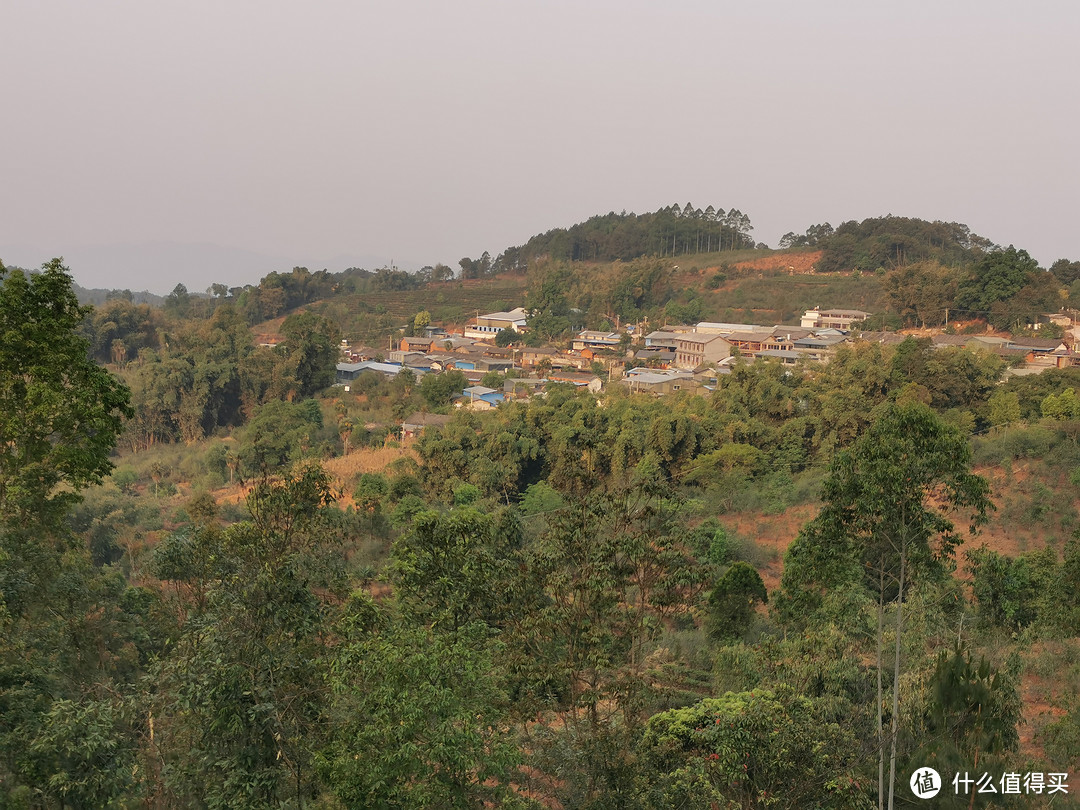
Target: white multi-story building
{"type": "Point", "coordinates": [487, 326]}
{"type": "Point", "coordinates": [845, 319]}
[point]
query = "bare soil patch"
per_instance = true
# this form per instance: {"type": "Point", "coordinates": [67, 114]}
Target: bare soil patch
{"type": "Point", "coordinates": [772, 533]}
{"type": "Point", "coordinates": [786, 262]}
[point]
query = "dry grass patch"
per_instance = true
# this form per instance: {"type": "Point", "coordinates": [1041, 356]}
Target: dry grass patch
{"type": "Point", "coordinates": [346, 469]}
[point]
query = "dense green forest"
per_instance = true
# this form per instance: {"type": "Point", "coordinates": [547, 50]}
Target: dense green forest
{"type": "Point", "coordinates": [226, 584]}
{"type": "Point", "coordinates": [671, 231]}
{"type": "Point", "coordinates": [889, 242]}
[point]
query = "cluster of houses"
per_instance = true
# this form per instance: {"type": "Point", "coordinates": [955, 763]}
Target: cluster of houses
{"type": "Point", "coordinates": [675, 358]}
{"type": "Point", "coordinates": [1032, 355]}
{"type": "Point", "coordinates": [680, 358]}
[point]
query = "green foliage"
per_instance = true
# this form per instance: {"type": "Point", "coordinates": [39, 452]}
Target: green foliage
{"type": "Point", "coordinates": [1011, 593]}
{"type": "Point", "coordinates": [1019, 443]}
{"type": "Point", "coordinates": [822, 663]}
{"type": "Point", "coordinates": [466, 494]}
{"type": "Point", "coordinates": [493, 379]}
{"type": "Point", "coordinates": [403, 484]}
{"type": "Point", "coordinates": [279, 434]}
{"type": "Point", "coordinates": [690, 312]}
{"type": "Point", "coordinates": [406, 511]}
{"type": "Point", "coordinates": [500, 454]}
{"type": "Point", "coordinates": [178, 302]}
{"type": "Point", "coordinates": [87, 755]}
{"type": "Point", "coordinates": [1063, 406]}
{"type": "Point", "coordinates": [921, 292]}
{"type": "Point", "coordinates": [895, 241]}
{"type": "Point", "coordinates": [210, 375]}
{"type": "Point", "coordinates": [219, 464]}
{"type": "Point", "coordinates": [953, 377]}
{"type": "Point", "coordinates": [786, 297]}
{"type": "Point", "coordinates": [878, 508]}
{"type": "Point", "coordinates": [731, 603]}
{"type": "Point", "coordinates": [1065, 271]}
{"type": "Point", "coordinates": [441, 272]}
{"type": "Point", "coordinates": [1062, 737]}
{"type": "Point", "coordinates": [477, 268]}
{"type": "Point", "coordinates": [1003, 408]}
{"type": "Point", "coordinates": [67, 637]}
{"type": "Point", "coordinates": [125, 479]}
{"type": "Point", "coordinates": [438, 390]}
{"type": "Point", "coordinates": [627, 289]}
{"type": "Point", "coordinates": [390, 279]}
{"type": "Point", "coordinates": [1033, 389]}
{"type": "Point", "coordinates": [814, 235]}
{"type": "Point", "coordinates": [851, 386]}
{"type": "Point", "coordinates": [996, 278]}
{"type": "Point", "coordinates": [746, 446]}
{"type": "Point", "coordinates": [972, 713]}
{"type": "Point", "coordinates": [670, 231]}
{"type": "Point", "coordinates": [539, 499]}
{"type": "Point", "coordinates": [453, 569]}
{"type": "Point", "coordinates": [367, 315]}
{"type": "Point", "coordinates": [63, 626]}
{"type": "Point", "coordinates": [243, 693]}
{"type": "Point", "coordinates": [60, 413]}
{"type": "Point", "coordinates": [710, 543]}
{"type": "Point", "coordinates": [545, 327]}
{"type": "Point", "coordinates": [119, 329]}
{"type": "Point", "coordinates": [110, 522]}
{"type": "Point", "coordinates": [199, 382]}
{"type": "Point", "coordinates": [370, 491]}
{"type": "Point", "coordinates": [608, 572]}
{"type": "Point", "coordinates": [750, 749]}
{"type": "Point", "coordinates": [416, 717]}
{"type": "Point", "coordinates": [884, 525]}
{"type": "Point", "coordinates": [716, 280]}
{"type": "Point", "coordinates": [311, 344]}
{"type": "Point", "coordinates": [370, 495]}
{"type": "Point", "coordinates": [1067, 593]}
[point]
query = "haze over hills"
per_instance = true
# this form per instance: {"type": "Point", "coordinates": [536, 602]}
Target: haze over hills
{"type": "Point", "coordinates": [158, 266]}
{"type": "Point", "coordinates": [881, 242]}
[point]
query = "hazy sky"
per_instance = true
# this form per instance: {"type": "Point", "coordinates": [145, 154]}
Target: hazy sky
{"type": "Point", "coordinates": [151, 143]}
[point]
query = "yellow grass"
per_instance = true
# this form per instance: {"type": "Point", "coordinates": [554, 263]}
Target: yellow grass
{"type": "Point", "coordinates": [343, 471]}
{"type": "Point", "coordinates": [346, 469]}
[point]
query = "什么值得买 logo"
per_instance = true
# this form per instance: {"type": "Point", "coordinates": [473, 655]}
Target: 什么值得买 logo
{"type": "Point", "coordinates": [925, 783]}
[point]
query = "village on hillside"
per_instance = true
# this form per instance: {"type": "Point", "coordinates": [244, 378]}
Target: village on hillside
{"type": "Point", "coordinates": [674, 358]}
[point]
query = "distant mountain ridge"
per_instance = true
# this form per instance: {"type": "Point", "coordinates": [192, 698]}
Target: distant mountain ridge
{"type": "Point", "coordinates": [96, 297]}
{"type": "Point", "coordinates": [161, 265]}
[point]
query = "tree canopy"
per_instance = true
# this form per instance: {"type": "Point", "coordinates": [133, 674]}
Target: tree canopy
{"type": "Point", "coordinates": [892, 241]}
{"type": "Point", "coordinates": [60, 412]}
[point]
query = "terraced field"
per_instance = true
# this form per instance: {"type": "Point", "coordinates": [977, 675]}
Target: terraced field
{"type": "Point", "coordinates": [450, 302]}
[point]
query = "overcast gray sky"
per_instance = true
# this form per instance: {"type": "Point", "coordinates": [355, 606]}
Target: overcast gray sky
{"type": "Point", "coordinates": [198, 141]}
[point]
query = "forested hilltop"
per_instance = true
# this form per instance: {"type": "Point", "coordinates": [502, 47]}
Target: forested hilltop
{"type": "Point", "coordinates": [678, 265]}
{"type": "Point", "coordinates": [228, 582]}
